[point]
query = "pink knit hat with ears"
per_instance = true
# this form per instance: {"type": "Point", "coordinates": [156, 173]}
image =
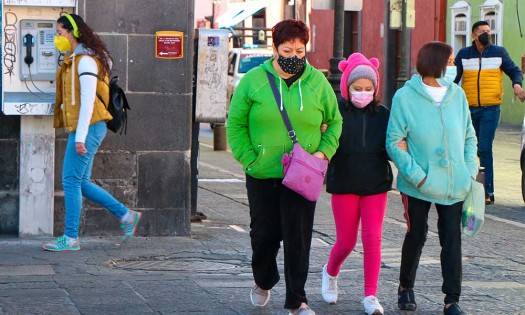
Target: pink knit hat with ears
{"type": "Point", "coordinates": [357, 67]}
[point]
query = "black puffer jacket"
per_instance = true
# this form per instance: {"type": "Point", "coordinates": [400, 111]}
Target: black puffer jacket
{"type": "Point", "coordinates": [360, 165]}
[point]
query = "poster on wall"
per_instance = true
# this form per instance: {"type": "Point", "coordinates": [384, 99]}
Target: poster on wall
{"type": "Point", "coordinates": [169, 45]}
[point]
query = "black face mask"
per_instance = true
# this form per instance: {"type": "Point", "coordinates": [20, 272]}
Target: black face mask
{"type": "Point", "coordinates": [291, 65]}
{"type": "Point", "coordinates": [484, 39]}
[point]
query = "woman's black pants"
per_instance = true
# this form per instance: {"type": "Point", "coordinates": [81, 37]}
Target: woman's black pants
{"type": "Point", "coordinates": [449, 230]}
{"type": "Point", "coordinates": [278, 213]}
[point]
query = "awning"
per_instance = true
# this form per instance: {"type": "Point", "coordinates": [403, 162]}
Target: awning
{"type": "Point", "coordinates": [238, 12]}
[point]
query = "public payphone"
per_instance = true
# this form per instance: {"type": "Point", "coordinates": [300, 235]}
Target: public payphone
{"type": "Point", "coordinates": [38, 54]}
{"type": "Point", "coordinates": [29, 64]}
{"type": "Point", "coordinates": [30, 59]}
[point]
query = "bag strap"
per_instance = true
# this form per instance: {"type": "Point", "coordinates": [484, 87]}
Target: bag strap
{"type": "Point", "coordinates": [96, 76]}
{"type": "Point", "coordinates": [284, 114]}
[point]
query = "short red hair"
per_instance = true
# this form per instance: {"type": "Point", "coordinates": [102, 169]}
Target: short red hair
{"type": "Point", "coordinates": [289, 30]}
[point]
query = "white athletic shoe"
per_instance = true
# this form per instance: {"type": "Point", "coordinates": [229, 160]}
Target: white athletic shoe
{"type": "Point", "coordinates": [372, 306]}
{"type": "Point", "coordinates": [329, 287]}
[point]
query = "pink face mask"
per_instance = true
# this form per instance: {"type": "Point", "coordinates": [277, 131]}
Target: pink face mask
{"type": "Point", "coordinates": [361, 99]}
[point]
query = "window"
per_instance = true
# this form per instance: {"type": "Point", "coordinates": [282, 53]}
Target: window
{"type": "Point", "coordinates": [460, 25]}
{"type": "Point", "coordinates": [250, 61]}
{"type": "Point", "coordinates": [491, 11]}
{"type": "Point", "coordinates": [490, 17]}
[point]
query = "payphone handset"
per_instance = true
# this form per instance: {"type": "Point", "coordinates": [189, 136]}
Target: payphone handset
{"type": "Point", "coordinates": [38, 53]}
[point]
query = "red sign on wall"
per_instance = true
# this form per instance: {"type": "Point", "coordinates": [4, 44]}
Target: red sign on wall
{"type": "Point", "coordinates": [169, 44]}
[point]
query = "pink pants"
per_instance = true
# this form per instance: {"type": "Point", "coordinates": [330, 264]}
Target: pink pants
{"type": "Point", "coordinates": [348, 210]}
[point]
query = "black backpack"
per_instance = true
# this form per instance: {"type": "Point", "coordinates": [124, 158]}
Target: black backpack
{"type": "Point", "coordinates": [118, 105]}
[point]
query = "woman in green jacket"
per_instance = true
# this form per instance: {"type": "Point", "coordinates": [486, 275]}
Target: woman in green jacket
{"type": "Point", "coordinates": [258, 139]}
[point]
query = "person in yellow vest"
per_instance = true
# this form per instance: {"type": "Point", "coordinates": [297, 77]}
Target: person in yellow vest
{"type": "Point", "coordinates": [479, 70]}
{"type": "Point", "coordinates": [83, 115]}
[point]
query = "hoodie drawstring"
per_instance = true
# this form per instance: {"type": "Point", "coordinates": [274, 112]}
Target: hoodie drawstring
{"type": "Point", "coordinates": [301, 95]}
{"type": "Point", "coordinates": [281, 92]}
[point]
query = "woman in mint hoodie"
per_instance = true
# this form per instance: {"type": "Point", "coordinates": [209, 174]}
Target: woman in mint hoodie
{"type": "Point", "coordinates": [432, 114]}
{"type": "Point", "coordinates": [258, 139]}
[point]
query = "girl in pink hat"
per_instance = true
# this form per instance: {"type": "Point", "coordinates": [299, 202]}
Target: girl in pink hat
{"type": "Point", "coordinates": [359, 177]}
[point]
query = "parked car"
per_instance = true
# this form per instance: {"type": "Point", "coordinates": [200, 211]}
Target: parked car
{"type": "Point", "coordinates": [240, 61]}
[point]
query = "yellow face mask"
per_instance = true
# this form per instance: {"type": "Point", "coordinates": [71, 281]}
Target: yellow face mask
{"type": "Point", "coordinates": [61, 43]}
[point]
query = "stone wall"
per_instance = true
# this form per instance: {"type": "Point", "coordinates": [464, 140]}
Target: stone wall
{"type": "Point", "coordinates": [148, 169]}
{"type": "Point", "coordinates": [9, 172]}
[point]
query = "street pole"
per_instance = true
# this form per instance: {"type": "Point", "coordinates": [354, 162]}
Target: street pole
{"type": "Point", "coordinates": [195, 128]}
{"type": "Point", "coordinates": [334, 76]}
{"type": "Point", "coordinates": [219, 129]}
{"type": "Point", "coordinates": [212, 14]}
{"type": "Point", "coordinates": [403, 65]}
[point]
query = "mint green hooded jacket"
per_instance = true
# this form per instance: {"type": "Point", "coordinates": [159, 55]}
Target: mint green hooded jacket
{"type": "Point", "coordinates": [256, 132]}
{"type": "Point", "coordinates": [441, 143]}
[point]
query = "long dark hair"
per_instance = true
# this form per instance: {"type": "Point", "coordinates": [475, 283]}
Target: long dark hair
{"type": "Point", "coordinates": [90, 40]}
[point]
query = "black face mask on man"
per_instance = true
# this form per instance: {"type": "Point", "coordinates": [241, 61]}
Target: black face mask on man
{"type": "Point", "coordinates": [484, 39]}
{"type": "Point", "coordinates": [291, 65]}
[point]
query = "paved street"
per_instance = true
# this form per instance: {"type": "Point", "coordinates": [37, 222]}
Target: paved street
{"type": "Point", "coordinates": [209, 272]}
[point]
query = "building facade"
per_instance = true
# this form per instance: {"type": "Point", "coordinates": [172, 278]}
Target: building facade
{"type": "Point", "coordinates": [148, 168]}
{"type": "Point", "coordinates": [505, 19]}
{"type": "Point", "coordinates": [368, 31]}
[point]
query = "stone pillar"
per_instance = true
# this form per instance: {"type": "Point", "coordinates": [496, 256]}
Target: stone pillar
{"type": "Point", "coordinates": [37, 150]}
{"type": "Point", "coordinates": [148, 169]}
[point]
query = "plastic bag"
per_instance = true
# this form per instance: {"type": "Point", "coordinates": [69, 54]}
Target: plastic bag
{"type": "Point", "coordinates": [473, 209]}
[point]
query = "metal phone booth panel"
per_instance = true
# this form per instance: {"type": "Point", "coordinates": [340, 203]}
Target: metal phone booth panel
{"type": "Point", "coordinates": [29, 64]}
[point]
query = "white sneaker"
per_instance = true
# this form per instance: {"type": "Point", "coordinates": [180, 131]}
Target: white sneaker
{"type": "Point", "coordinates": [329, 287]}
{"type": "Point", "coordinates": [258, 296]}
{"type": "Point", "coordinates": [372, 306]}
{"type": "Point", "coordinates": [303, 310]}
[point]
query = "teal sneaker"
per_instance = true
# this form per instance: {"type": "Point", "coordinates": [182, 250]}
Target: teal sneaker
{"type": "Point", "coordinates": [62, 244]}
{"type": "Point", "coordinates": [130, 226]}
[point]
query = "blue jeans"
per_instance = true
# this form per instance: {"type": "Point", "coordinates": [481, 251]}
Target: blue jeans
{"type": "Point", "coordinates": [76, 181]}
{"type": "Point", "coordinates": [485, 120]}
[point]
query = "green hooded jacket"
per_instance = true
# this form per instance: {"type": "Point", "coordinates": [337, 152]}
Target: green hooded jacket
{"type": "Point", "coordinates": [256, 132]}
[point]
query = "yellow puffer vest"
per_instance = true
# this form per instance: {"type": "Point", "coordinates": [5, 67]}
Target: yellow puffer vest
{"type": "Point", "coordinates": [67, 102]}
{"type": "Point", "coordinates": [482, 81]}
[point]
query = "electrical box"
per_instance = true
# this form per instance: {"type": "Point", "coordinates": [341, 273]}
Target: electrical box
{"type": "Point", "coordinates": [29, 57]}
{"type": "Point", "coordinates": [396, 14]}
{"type": "Point", "coordinates": [349, 5]}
